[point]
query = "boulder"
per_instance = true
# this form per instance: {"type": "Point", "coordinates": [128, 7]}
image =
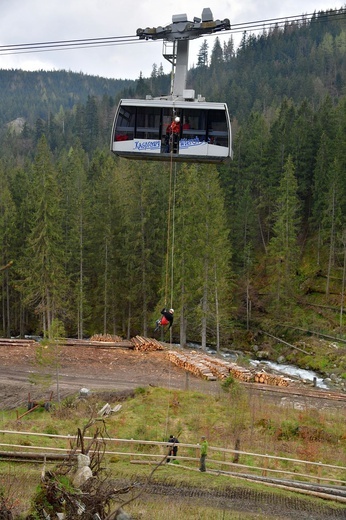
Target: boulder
{"type": "Point", "coordinates": [83, 472]}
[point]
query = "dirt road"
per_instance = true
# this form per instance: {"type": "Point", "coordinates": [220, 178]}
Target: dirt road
{"type": "Point", "coordinates": [94, 368]}
{"type": "Point", "coordinates": [120, 369]}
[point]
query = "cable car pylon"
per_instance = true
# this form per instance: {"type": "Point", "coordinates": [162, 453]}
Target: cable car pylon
{"type": "Point", "coordinates": [141, 128]}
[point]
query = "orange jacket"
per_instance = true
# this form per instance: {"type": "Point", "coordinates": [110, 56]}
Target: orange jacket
{"type": "Point", "coordinates": [173, 128]}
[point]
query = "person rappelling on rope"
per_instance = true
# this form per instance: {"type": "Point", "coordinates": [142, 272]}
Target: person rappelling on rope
{"type": "Point", "coordinates": [173, 135]}
{"type": "Point", "coordinates": [166, 319]}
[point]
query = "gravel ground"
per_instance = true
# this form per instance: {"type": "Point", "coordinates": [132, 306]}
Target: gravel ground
{"type": "Point", "coordinates": [243, 500]}
{"type": "Point", "coordinates": [95, 368]}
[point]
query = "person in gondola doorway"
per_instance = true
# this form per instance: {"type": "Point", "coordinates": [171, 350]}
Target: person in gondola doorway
{"type": "Point", "coordinates": [166, 319]}
{"type": "Point", "coordinates": [173, 135]}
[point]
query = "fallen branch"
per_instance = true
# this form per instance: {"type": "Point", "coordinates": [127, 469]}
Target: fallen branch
{"type": "Point", "coordinates": [284, 342]}
{"type": "Point", "coordinates": [6, 266]}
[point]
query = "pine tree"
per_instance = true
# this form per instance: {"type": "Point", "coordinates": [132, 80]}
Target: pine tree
{"type": "Point", "coordinates": [142, 206]}
{"type": "Point", "coordinates": [228, 50]}
{"type": "Point", "coordinates": [304, 148]}
{"type": "Point", "coordinates": [141, 87]}
{"type": "Point", "coordinates": [202, 57]}
{"type": "Point", "coordinates": [283, 249]}
{"type": "Point", "coordinates": [278, 148]}
{"type": "Point", "coordinates": [103, 236]}
{"type": "Point", "coordinates": [75, 205]}
{"type": "Point", "coordinates": [216, 54]}
{"type": "Point", "coordinates": [332, 216]}
{"type": "Point", "coordinates": [7, 235]}
{"type": "Point", "coordinates": [92, 123]}
{"type": "Point", "coordinates": [44, 283]}
{"type": "Point", "coordinates": [202, 254]}
{"type": "Point", "coordinates": [247, 188]}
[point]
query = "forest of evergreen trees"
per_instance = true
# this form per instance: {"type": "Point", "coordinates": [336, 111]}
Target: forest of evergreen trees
{"type": "Point", "coordinates": [102, 244]}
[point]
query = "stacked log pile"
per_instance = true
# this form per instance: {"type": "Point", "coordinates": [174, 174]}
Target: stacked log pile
{"type": "Point", "coordinates": [271, 379]}
{"type": "Point", "coordinates": [220, 371]}
{"type": "Point", "coordinates": [192, 363]}
{"type": "Point", "coordinates": [212, 368]}
{"type": "Point", "coordinates": [146, 344]}
{"type": "Point", "coordinates": [241, 373]}
{"type": "Point", "coordinates": [226, 369]}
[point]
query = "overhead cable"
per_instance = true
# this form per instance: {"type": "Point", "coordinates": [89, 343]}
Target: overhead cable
{"type": "Point", "coordinates": [252, 26]}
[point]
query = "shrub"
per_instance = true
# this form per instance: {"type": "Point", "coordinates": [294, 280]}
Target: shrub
{"type": "Point", "coordinates": [265, 424]}
{"type": "Point", "coordinates": [227, 383]}
{"type": "Point", "coordinates": [140, 390]}
{"type": "Point", "coordinates": [288, 430]}
{"type": "Point", "coordinates": [51, 430]}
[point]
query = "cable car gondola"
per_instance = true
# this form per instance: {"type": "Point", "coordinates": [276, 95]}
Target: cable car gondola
{"type": "Point", "coordinates": [141, 128]}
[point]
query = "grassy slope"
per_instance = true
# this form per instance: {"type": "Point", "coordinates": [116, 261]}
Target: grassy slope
{"type": "Point", "coordinates": [155, 413]}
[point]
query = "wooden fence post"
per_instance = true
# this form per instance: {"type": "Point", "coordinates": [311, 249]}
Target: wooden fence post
{"type": "Point", "coordinates": [265, 466]}
{"type": "Point", "coordinates": [319, 472]}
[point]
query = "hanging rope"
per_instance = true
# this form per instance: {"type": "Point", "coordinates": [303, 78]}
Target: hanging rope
{"type": "Point", "coordinates": [170, 257]}
{"type": "Point", "coordinates": [170, 227]}
{"type": "Point", "coordinates": [168, 230]}
{"type": "Point", "coordinates": [170, 247]}
{"type": "Point", "coordinates": [173, 233]}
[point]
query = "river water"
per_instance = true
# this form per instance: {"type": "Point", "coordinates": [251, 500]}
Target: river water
{"type": "Point", "coordinates": [292, 371]}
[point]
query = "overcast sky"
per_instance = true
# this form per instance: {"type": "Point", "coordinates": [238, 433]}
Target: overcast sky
{"type": "Point", "coordinates": [31, 21]}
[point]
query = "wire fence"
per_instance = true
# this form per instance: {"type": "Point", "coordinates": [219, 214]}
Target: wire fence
{"type": "Point", "coordinates": [21, 445]}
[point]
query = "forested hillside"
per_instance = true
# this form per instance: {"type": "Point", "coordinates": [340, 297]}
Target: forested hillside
{"type": "Point", "coordinates": [32, 95]}
{"type": "Point", "coordinates": [256, 242]}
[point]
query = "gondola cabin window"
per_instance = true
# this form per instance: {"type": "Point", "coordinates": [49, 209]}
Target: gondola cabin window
{"type": "Point", "coordinates": [148, 123]}
{"type": "Point", "coordinates": [125, 129]}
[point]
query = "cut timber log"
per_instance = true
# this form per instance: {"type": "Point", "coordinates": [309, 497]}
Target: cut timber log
{"type": "Point", "coordinates": [146, 344]}
{"type": "Point", "coordinates": [35, 456]}
{"type": "Point", "coordinates": [122, 343]}
{"type": "Point", "coordinates": [106, 338]}
{"type": "Point", "coordinates": [271, 379]}
{"type": "Point", "coordinates": [9, 342]}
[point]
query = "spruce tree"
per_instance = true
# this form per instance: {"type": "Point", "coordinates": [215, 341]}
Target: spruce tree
{"type": "Point", "coordinates": [283, 247]}
{"type": "Point", "coordinates": [216, 54]}
{"type": "Point", "coordinates": [75, 204]}
{"type": "Point", "coordinates": [7, 239]}
{"type": "Point", "coordinates": [142, 194]}
{"type": "Point", "coordinates": [332, 218]}
{"type": "Point", "coordinates": [202, 58]}
{"type": "Point", "coordinates": [103, 247]}
{"type": "Point", "coordinates": [202, 255]}
{"type": "Point", "coordinates": [43, 278]}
